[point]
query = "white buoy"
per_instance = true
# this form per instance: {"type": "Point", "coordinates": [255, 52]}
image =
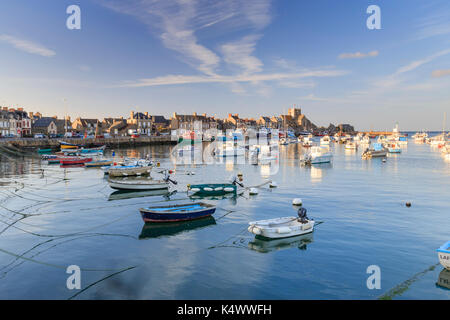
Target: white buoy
{"type": "Point", "coordinates": [273, 184]}
{"type": "Point", "coordinates": [253, 191]}
{"type": "Point", "coordinates": [297, 202]}
{"type": "Point", "coordinates": [384, 160]}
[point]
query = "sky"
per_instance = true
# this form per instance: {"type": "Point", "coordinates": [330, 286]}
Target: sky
{"type": "Point", "coordinates": [252, 57]}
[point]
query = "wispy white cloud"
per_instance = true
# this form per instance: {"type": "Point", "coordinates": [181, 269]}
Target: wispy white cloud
{"type": "Point", "coordinates": [440, 73]}
{"type": "Point", "coordinates": [358, 55]}
{"type": "Point", "coordinates": [434, 24]}
{"type": "Point", "coordinates": [242, 78]}
{"type": "Point", "coordinates": [27, 46]}
{"type": "Point", "coordinates": [240, 53]}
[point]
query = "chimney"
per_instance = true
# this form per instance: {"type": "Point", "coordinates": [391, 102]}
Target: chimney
{"type": "Point", "coordinates": [229, 115]}
{"type": "Point", "coordinates": [20, 109]}
{"type": "Point", "coordinates": [30, 114]}
{"type": "Point", "coordinates": [204, 114]}
{"type": "Point", "coordinates": [195, 114]}
{"type": "Point", "coordinates": [146, 114]}
{"type": "Point", "coordinates": [174, 115]}
{"type": "Point", "coordinates": [131, 115]}
{"type": "Point", "coordinates": [55, 117]}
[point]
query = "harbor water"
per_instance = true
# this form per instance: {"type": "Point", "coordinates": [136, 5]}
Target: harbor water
{"type": "Point", "coordinates": [52, 218]}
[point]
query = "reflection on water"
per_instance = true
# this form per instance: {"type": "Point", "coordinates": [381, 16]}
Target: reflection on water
{"type": "Point", "coordinates": [52, 217]}
{"type": "Point", "coordinates": [155, 230]}
{"type": "Point", "coordinates": [444, 279]}
{"type": "Point", "coordinates": [130, 194]}
{"type": "Point", "coordinates": [265, 246]}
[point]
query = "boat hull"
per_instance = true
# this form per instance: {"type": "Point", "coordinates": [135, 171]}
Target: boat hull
{"type": "Point", "coordinates": [444, 255]}
{"type": "Point", "coordinates": [143, 185]}
{"type": "Point", "coordinates": [212, 189]}
{"type": "Point", "coordinates": [129, 171]}
{"type": "Point", "coordinates": [177, 213]}
{"type": "Point", "coordinates": [291, 228]}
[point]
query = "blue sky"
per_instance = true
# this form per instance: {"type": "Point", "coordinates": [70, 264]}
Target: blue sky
{"type": "Point", "coordinates": [254, 58]}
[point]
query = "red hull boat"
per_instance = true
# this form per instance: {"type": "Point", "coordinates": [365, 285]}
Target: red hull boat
{"type": "Point", "coordinates": [74, 160]}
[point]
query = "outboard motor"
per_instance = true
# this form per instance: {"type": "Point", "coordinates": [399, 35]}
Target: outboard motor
{"type": "Point", "coordinates": [167, 178]}
{"type": "Point", "coordinates": [302, 215]}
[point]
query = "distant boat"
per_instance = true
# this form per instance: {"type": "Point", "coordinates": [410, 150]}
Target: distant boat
{"type": "Point", "coordinates": [376, 151]}
{"type": "Point", "coordinates": [318, 155]}
{"type": "Point", "coordinates": [98, 163]}
{"type": "Point", "coordinates": [325, 140]}
{"type": "Point", "coordinates": [350, 145]}
{"type": "Point", "coordinates": [73, 160]}
{"type": "Point", "coordinates": [180, 212]}
{"type": "Point", "coordinates": [44, 151]}
{"type": "Point", "coordinates": [393, 147]}
{"type": "Point", "coordinates": [444, 255]}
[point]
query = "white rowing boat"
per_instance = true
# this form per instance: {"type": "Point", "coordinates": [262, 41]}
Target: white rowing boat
{"type": "Point", "coordinates": [281, 227]}
{"type": "Point", "coordinates": [134, 184]}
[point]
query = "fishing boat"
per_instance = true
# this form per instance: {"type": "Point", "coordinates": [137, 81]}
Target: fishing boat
{"type": "Point", "coordinates": [280, 227]}
{"type": "Point", "coordinates": [444, 255]}
{"type": "Point", "coordinates": [317, 155]}
{"type": "Point", "coordinates": [98, 163]}
{"type": "Point", "coordinates": [73, 160]}
{"type": "Point", "coordinates": [212, 189]}
{"type": "Point", "coordinates": [393, 147]}
{"type": "Point", "coordinates": [129, 170]}
{"type": "Point", "coordinates": [307, 141]}
{"type": "Point", "coordinates": [229, 149]}
{"type": "Point", "coordinates": [67, 145]}
{"type": "Point", "coordinates": [134, 184]}
{"type": "Point", "coordinates": [325, 140]}
{"type": "Point", "coordinates": [376, 151]}
{"type": "Point", "coordinates": [350, 145]}
{"type": "Point", "coordinates": [420, 137]}
{"type": "Point", "coordinates": [365, 140]}
{"type": "Point", "coordinates": [179, 212]}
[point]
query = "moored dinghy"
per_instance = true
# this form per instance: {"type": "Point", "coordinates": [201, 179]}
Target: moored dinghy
{"type": "Point", "coordinates": [179, 212]}
{"type": "Point", "coordinates": [444, 255]}
{"type": "Point", "coordinates": [282, 227]}
{"type": "Point", "coordinates": [148, 184]}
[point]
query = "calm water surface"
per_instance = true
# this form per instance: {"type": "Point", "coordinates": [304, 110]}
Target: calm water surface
{"type": "Point", "coordinates": [51, 217]}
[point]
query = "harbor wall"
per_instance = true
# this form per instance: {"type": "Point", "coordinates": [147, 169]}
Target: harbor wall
{"type": "Point", "coordinates": [110, 142]}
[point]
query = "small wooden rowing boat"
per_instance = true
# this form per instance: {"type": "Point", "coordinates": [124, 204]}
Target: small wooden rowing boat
{"type": "Point", "coordinates": [135, 184]}
{"type": "Point", "coordinates": [74, 160]}
{"type": "Point", "coordinates": [126, 171]}
{"type": "Point", "coordinates": [180, 212]}
{"type": "Point", "coordinates": [280, 227]}
{"type": "Point", "coordinates": [444, 255]}
{"type": "Point", "coordinates": [98, 163]}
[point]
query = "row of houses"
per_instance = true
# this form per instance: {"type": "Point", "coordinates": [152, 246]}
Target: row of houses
{"type": "Point", "coordinates": [20, 123]}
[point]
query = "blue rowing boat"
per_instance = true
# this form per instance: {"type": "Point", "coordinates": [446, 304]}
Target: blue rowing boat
{"type": "Point", "coordinates": [179, 212]}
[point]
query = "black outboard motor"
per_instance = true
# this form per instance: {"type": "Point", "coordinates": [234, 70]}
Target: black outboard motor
{"type": "Point", "coordinates": [167, 178]}
{"type": "Point", "coordinates": [302, 215]}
